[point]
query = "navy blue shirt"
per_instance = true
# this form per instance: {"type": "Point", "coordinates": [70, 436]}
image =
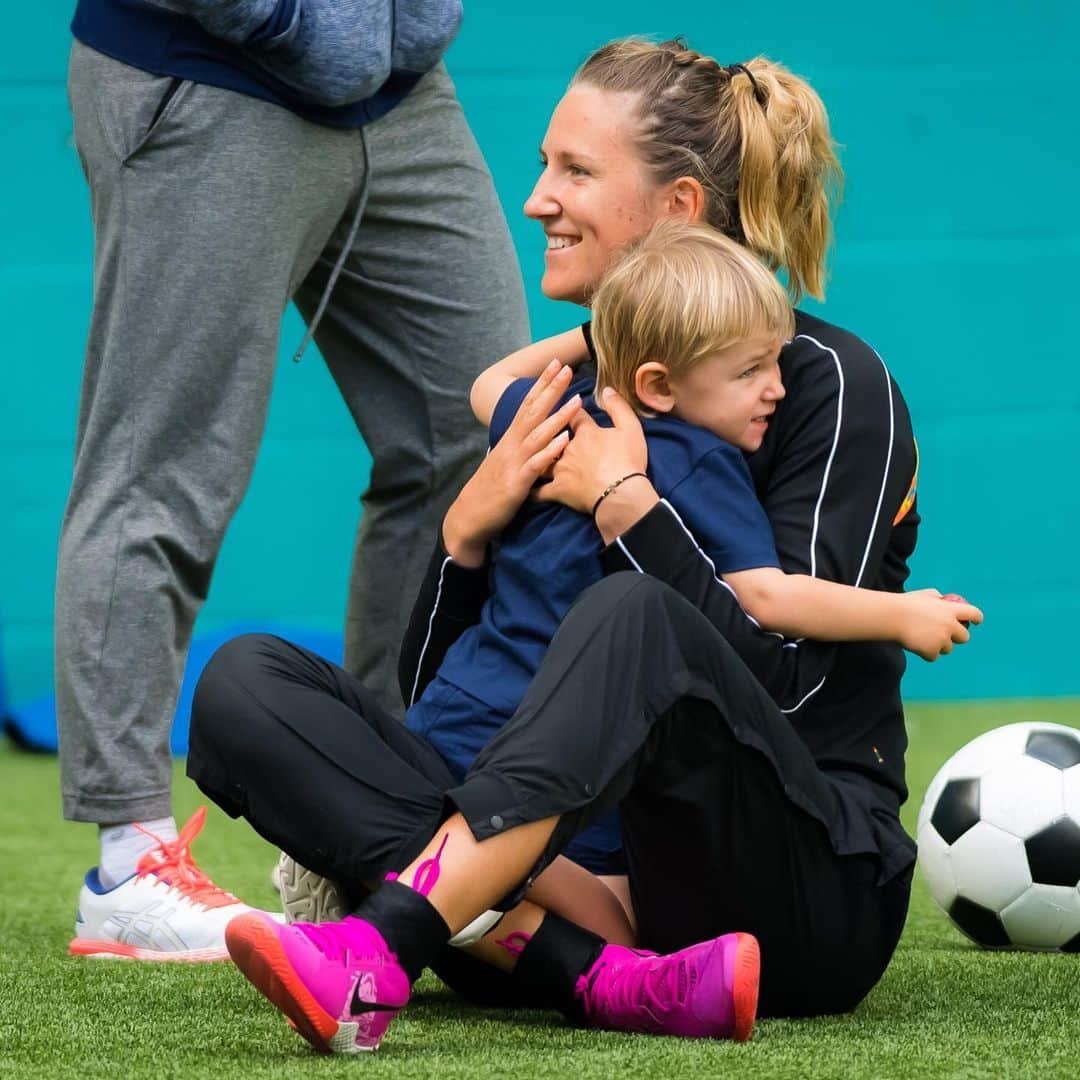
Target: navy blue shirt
{"type": "Point", "coordinates": [162, 42]}
{"type": "Point", "coordinates": [548, 555]}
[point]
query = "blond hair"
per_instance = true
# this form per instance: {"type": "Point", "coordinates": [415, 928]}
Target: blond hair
{"type": "Point", "coordinates": [755, 136]}
{"type": "Point", "coordinates": [679, 295]}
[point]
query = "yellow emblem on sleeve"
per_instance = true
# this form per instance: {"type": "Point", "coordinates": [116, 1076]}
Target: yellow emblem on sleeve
{"type": "Point", "coordinates": [909, 499]}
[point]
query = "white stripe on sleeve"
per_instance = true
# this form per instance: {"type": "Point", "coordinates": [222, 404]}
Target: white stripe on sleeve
{"type": "Point", "coordinates": [431, 622]}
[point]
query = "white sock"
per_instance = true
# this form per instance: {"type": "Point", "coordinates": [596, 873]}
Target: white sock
{"type": "Point", "coordinates": [122, 846]}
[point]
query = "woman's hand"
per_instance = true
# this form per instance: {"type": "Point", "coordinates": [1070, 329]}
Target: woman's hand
{"type": "Point", "coordinates": [595, 459]}
{"type": "Point", "coordinates": [933, 623]}
{"type": "Point", "coordinates": [528, 449]}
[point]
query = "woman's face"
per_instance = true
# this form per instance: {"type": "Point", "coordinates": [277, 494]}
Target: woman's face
{"type": "Point", "coordinates": [594, 194]}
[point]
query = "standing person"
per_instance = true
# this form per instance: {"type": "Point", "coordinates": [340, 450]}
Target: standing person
{"type": "Point", "coordinates": [240, 155]}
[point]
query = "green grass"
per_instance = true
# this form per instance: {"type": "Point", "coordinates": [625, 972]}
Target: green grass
{"type": "Point", "coordinates": [944, 1009]}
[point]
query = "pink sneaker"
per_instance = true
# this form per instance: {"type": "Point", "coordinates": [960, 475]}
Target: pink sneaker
{"type": "Point", "coordinates": [338, 983]}
{"type": "Point", "coordinates": [707, 991]}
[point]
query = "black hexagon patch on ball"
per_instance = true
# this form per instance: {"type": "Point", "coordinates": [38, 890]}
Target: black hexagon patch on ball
{"type": "Point", "coordinates": [957, 809]}
{"type": "Point", "coordinates": [980, 924]}
{"type": "Point", "coordinates": [1056, 748]}
{"type": "Point", "coordinates": [1054, 854]}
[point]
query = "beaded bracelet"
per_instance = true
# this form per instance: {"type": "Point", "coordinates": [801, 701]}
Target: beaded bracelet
{"type": "Point", "coordinates": [611, 487]}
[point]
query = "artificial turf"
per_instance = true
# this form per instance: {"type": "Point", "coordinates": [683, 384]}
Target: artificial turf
{"type": "Point", "coordinates": [944, 1009]}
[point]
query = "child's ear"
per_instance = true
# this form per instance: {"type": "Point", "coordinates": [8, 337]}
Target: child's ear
{"type": "Point", "coordinates": [653, 388]}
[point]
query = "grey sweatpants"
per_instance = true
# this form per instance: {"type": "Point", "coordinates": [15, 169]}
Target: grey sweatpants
{"type": "Point", "coordinates": [211, 210]}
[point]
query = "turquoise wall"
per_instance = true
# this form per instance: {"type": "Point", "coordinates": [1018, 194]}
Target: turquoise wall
{"type": "Point", "coordinates": [957, 248]}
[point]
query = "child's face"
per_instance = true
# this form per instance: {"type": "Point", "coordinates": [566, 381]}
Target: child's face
{"type": "Point", "coordinates": [733, 393]}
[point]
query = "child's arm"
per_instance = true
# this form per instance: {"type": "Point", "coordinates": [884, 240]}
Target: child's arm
{"type": "Point", "coordinates": [527, 363]}
{"type": "Point", "coordinates": [797, 605]}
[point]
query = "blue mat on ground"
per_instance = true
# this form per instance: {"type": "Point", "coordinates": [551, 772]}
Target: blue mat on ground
{"type": "Point", "coordinates": [32, 725]}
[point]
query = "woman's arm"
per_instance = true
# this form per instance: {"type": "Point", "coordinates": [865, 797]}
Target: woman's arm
{"type": "Point", "coordinates": [804, 607]}
{"type": "Point", "coordinates": [720, 511]}
{"type": "Point", "coordinates": [527, 363]}
{"type": "Point", "coordinates": [645, 534]}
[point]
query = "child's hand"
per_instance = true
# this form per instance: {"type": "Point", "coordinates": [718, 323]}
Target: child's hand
{"type": "Point", "coordinates": [933, 624]}
{"type": "Point", "coordinates": [597, 455]}
{"type": "Point", "coordinates": [502, 482]}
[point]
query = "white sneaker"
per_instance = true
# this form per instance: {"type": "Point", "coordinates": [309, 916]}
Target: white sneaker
{"type": "Point", "coordinates": [312, 898]}
{"type": "Point", "coordinates": [167, 910]}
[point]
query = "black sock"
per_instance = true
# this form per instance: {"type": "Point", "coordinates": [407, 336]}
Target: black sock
{"type": "Point", "coordinates": [410, 924]}
{"type": "Point", "coordinates": [557, 955]}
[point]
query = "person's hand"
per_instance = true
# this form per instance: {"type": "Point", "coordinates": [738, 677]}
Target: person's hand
{"type": "Point", "coordinates": [528, 449]}
{"type": "Point", "coordinates": [597, 457]}
{"type": "Point", "coordinates": [933, 623]}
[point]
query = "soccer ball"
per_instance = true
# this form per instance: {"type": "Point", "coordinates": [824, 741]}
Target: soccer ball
{"type": "Point", "coordinates": [999, 838]}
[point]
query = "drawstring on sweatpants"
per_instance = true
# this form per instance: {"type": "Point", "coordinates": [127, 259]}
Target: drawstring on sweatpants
{"type": "Point", "coordinates": [361, 204]}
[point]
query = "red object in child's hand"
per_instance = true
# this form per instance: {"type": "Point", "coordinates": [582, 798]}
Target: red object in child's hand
{"type": "Point", "coordinates": [956, 598]}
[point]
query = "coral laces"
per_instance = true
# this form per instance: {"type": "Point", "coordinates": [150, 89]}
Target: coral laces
{"type": "Point", "coordinates": [171, 862]}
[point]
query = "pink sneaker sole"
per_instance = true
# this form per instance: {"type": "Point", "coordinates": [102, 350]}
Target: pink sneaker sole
{"type": "Point", "coordinates": [744, 987]}
{"type": "Point", "coordinates": [257, 951]}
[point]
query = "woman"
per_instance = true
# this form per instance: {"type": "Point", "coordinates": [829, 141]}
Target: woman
{"type": "Point", "coordinates": [759, 780]}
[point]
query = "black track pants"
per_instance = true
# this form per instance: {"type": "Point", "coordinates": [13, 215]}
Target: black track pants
{"type": "Point", "coordinates": [728, 822]}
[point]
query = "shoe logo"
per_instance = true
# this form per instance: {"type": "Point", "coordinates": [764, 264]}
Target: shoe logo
{"type": "Point", "coordinates": [148, 927]}
{"type": "Point", "coordinates": [365, 987]}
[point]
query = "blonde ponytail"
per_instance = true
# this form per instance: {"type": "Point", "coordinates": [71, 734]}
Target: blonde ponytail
{"type": "Point", "coordinates": [789, 175]}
